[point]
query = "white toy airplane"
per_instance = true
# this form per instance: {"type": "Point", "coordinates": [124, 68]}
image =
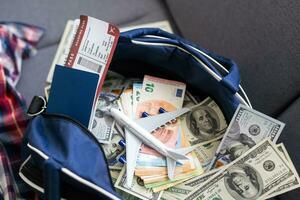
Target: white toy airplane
{"type": "Point", "coordinates": [139, 131]}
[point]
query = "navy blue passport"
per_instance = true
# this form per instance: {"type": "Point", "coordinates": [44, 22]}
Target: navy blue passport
{"type": "Point", "coordinates": [73, 93]}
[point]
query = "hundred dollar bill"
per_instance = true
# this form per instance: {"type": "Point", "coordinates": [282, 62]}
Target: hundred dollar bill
{"type": "Point", "coordinates": [205, 153]}
{"type": "Point", "coordinates": [113, 151]}
{"type": "Point", "coordinates": [255, 175]}
{"type": "Point", "coordinates": [205, 122]}
{"type": "Point", "coordinates": [126, 195]}
{"type": "Point", "coordinates": [182, 190]}
{"type": "Point", "coordinates": [246, 128]}
{"type": "Point", "coordinates": [137, 189]}
{"type": "Point", "coordinates": [103, 124]}
{"type": "Point", "coordinates": [166, 186]}
{"type": "Point", "coordinates": [167, 196]}
{"type": "Point", "coordinates": [293, 182]}
{"type": "Point", "coordinates": [114, 173]}
{"type": "Point", "coordinates": [189, 100]}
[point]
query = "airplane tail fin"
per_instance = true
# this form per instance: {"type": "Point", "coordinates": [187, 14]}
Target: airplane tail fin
{"type": "Point", "coordinates": [179, 154]}
{"type": "Point", "coordinates": [171, 165]}
{"type": "Point", "coordinates": [176, 155]}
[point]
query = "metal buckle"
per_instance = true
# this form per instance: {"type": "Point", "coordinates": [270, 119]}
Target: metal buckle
{"type": "Point", "coordinates": [42, 108]}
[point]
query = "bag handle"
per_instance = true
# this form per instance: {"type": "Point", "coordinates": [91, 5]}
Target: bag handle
{"type": "Point", "coordinates": [139, 32]}
{"type": "Point", "coordinates": [230, 81]}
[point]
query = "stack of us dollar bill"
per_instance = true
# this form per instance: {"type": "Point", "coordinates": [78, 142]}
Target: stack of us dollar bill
{"type": "Point", "coordinates": [239, 160]}
{"type": "Point", "coordinates": [247, 164]}
{"type": "Point", "coordinates": [203, 128]}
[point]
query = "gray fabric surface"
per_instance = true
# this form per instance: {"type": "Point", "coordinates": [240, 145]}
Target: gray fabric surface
{"type": "Point", "coordinates": [53, 14]}
{"type": "Point", "coordinates": [291, 139]}
{"type": "Point", "coordinates": [291, 134]}
{"type": "Point", "coordinates": [261, 36]}
{"type": "Point", "coordinates": [34, 73]}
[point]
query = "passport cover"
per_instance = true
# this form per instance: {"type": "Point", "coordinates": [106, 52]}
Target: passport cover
{"type": "Point", "coordinates": [73, 93]}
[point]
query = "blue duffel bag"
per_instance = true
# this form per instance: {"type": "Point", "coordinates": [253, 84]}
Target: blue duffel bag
{"type": "Point", "coordinates": [62, 159]}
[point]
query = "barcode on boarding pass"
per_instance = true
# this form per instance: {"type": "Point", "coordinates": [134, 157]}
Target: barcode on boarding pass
{"type": "Point", "coordinates": [89, 64]}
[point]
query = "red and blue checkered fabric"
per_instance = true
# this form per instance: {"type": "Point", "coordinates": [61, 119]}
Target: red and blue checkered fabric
{"type": "Point", "coordinates": [17, 42]}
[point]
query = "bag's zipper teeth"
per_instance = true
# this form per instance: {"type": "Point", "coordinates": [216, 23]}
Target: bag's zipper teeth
{"type": "Point", "coordinates": [85, 130]}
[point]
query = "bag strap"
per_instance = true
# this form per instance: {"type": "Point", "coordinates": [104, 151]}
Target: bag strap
{"type": "Point", "coordinates": [51, 180]}
{"type": "Point", "coordinates": [230, 81]}
{"type": "Point", "coordinates": [51, 172]}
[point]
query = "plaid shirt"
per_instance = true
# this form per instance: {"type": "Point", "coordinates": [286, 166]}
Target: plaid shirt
{"type": "Point", "coordinates": [17, 42]}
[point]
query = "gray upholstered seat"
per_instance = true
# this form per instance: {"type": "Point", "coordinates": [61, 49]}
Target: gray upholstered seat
{"type": "Point", "coordinates": [261, 36]}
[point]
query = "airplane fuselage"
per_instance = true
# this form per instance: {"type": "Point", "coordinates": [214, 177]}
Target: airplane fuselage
{"type": "Point", "coordinates": [146, 137]}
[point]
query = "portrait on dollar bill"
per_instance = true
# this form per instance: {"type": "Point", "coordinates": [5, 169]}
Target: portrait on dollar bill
{"type": "Point", "coordinates": [243, 182]}
{"type": "Point", "coordinates": [239, 146]}
{"type": "Point", "coordinates": [204, 123]}
{"type": "Point", "coordinates": [100, 115]}
{"type": "Point", "coordinates": [235, 144]}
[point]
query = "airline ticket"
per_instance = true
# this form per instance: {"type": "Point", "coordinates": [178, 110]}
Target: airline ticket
{"type": "Point", "coordinates": [93, 46]}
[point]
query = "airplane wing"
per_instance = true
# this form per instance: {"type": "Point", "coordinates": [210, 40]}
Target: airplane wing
{"type": "Point", "coordinates": [133, 145]}
{"type": "Point", "coordinates": [153, 122]}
